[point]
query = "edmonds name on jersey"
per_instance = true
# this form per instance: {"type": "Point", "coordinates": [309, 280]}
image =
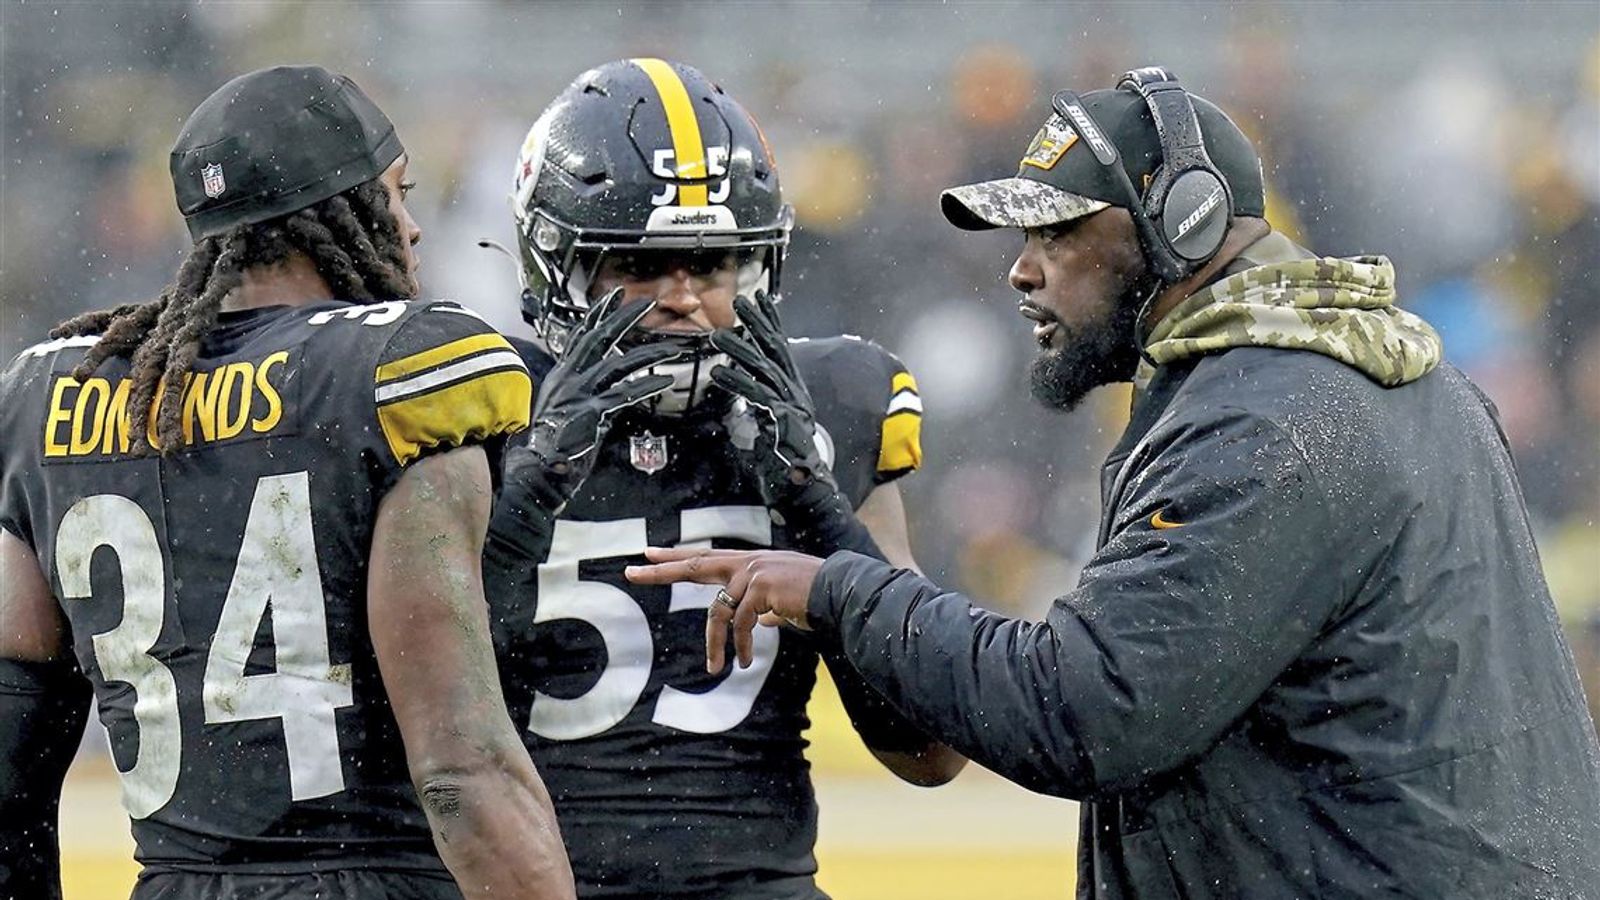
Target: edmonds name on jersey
{"type": "Point", "coordinates": [217, 596]}
{"type": "Point", "coordinates": [668, 780]}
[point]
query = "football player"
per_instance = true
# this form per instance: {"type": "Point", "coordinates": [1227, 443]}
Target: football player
{"type": "Point", "coordinates": [250, 512]}
{"type": "Point", "coordinates": [672, 410]}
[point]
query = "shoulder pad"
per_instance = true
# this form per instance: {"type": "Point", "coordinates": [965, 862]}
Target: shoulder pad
{"type": "Point", "coordinates": [45, 348]}
{"type": "Point", "coordinates": [39, 360]}
{"type": "Point", "coordinates": [868, 380]}
{"type": "Point", "coordinates": [446, 378]}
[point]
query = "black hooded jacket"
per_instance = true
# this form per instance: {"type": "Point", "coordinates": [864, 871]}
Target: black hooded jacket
{"type": "Point", "coordinates": [1314, 655]}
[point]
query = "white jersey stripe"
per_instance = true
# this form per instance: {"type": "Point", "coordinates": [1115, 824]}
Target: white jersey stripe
{"type": "Point", "coordinates": [416, 384]}
{"type": "Point", "coordinates": [48, 347]}
{"type": "Point", "coordinates": [904, 400]}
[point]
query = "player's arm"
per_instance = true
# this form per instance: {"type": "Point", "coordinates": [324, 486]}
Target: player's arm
{"type": "Point", "coordinates": [916, 758]}
{"type": "Point", "coordinates": [43, 703]}
{"type": "Point", "coordinates": [884, 514]}
{"type": "Point", "coordinates": [899, 746]}
{"type": "Point", "coordinates": [492, 819]}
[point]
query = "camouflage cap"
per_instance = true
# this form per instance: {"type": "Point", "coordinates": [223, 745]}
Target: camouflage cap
{"type": "Point", "coordinates": [1013, 203]}
{"type": "Point", "coordinates": [1057, 181]}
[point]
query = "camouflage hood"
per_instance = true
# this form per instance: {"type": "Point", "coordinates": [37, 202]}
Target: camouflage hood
{"type": "Point", "coordinates": [1343, 308]}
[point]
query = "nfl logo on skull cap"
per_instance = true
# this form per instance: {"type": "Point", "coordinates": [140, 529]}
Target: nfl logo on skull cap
{"type": "Point", "coordinates": [648, 453]}
{"type": "Point", "coordinates": [211, 180]}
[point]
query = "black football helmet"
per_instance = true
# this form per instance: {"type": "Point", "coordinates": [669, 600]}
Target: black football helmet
{"type": "Point", "coordinates": [641, 154]}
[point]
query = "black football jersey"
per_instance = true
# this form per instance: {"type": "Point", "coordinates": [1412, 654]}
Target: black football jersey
{"type": "Point", "coordinates": [668, 781]}
{"type": "Point", "coordinates": [217, 597]}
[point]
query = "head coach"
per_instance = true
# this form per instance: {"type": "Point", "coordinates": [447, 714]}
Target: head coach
{"type": "Point", "coordinates": [1314, 654]}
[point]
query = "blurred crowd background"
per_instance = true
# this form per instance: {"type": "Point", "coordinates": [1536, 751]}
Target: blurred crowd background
{"type": "Point", "coordinates": [1460, 139]}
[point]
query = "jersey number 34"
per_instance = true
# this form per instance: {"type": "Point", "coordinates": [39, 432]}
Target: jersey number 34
{"type": "Point", "coordinates": [277, 561]}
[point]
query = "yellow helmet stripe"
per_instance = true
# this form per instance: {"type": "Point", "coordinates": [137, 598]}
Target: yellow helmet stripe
{"type": "Point", "coordinates": [687, 146]}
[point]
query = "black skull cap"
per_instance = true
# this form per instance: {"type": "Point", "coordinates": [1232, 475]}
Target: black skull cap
{"type": "Point", "coordinates": [275, 141]}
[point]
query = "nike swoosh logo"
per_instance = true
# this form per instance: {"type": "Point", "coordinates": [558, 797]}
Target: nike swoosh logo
{"type": "Point", "coordinates": [1158, 521]}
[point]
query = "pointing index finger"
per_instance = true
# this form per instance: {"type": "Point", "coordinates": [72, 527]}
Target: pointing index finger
{"type": "Point", "coordinates": [675, 564]}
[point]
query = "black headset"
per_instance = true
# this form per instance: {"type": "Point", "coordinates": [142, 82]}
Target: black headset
{"type": "Point", "coordinates": [1184, 214]}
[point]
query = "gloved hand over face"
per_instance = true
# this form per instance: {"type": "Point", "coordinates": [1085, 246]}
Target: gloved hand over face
{"type": "Point", "coordinates": [762, 372]}
{"type": "Point", "coordinates": [589, 385]}
{"type": "Point", "coordinates": [795, 482]}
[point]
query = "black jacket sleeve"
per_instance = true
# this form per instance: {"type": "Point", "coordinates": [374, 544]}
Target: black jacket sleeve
{"type": "Point", "coordinates": [1215, 575]}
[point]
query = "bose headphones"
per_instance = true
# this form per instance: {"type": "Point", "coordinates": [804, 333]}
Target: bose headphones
{"type": "Point", "coordinates": [1184, 214]}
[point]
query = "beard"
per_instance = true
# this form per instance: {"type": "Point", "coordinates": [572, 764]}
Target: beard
{"type": "Point", "coordinates": [1102, 351]}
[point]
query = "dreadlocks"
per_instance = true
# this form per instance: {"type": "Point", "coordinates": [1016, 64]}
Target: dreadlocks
{"type": "Point", "coordinates": [352, 238]}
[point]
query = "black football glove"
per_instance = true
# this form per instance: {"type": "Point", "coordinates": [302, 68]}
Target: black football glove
{"type": "Point", "coordinates": [795, 482]}
{"type": "Point", "coordinates": [588, 386]}
{"type": "Point", "coordinates": [785, 454]}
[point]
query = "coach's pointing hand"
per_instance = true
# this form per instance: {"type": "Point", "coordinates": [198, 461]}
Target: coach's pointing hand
{"type": "Point", "coordinates": [771, 586]}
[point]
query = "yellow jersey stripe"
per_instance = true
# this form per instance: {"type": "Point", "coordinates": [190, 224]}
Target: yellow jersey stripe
{"type": "Point", "coordinates": [474, 410]}
{"type": "Point", "coordinates": [901, 448]}
{"type": "Point", "coordinates": [902, 381]}
{"type": "Point", "coordinates": [688, 148]}
{"type": "Point", "coordinates": [443, 353]}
